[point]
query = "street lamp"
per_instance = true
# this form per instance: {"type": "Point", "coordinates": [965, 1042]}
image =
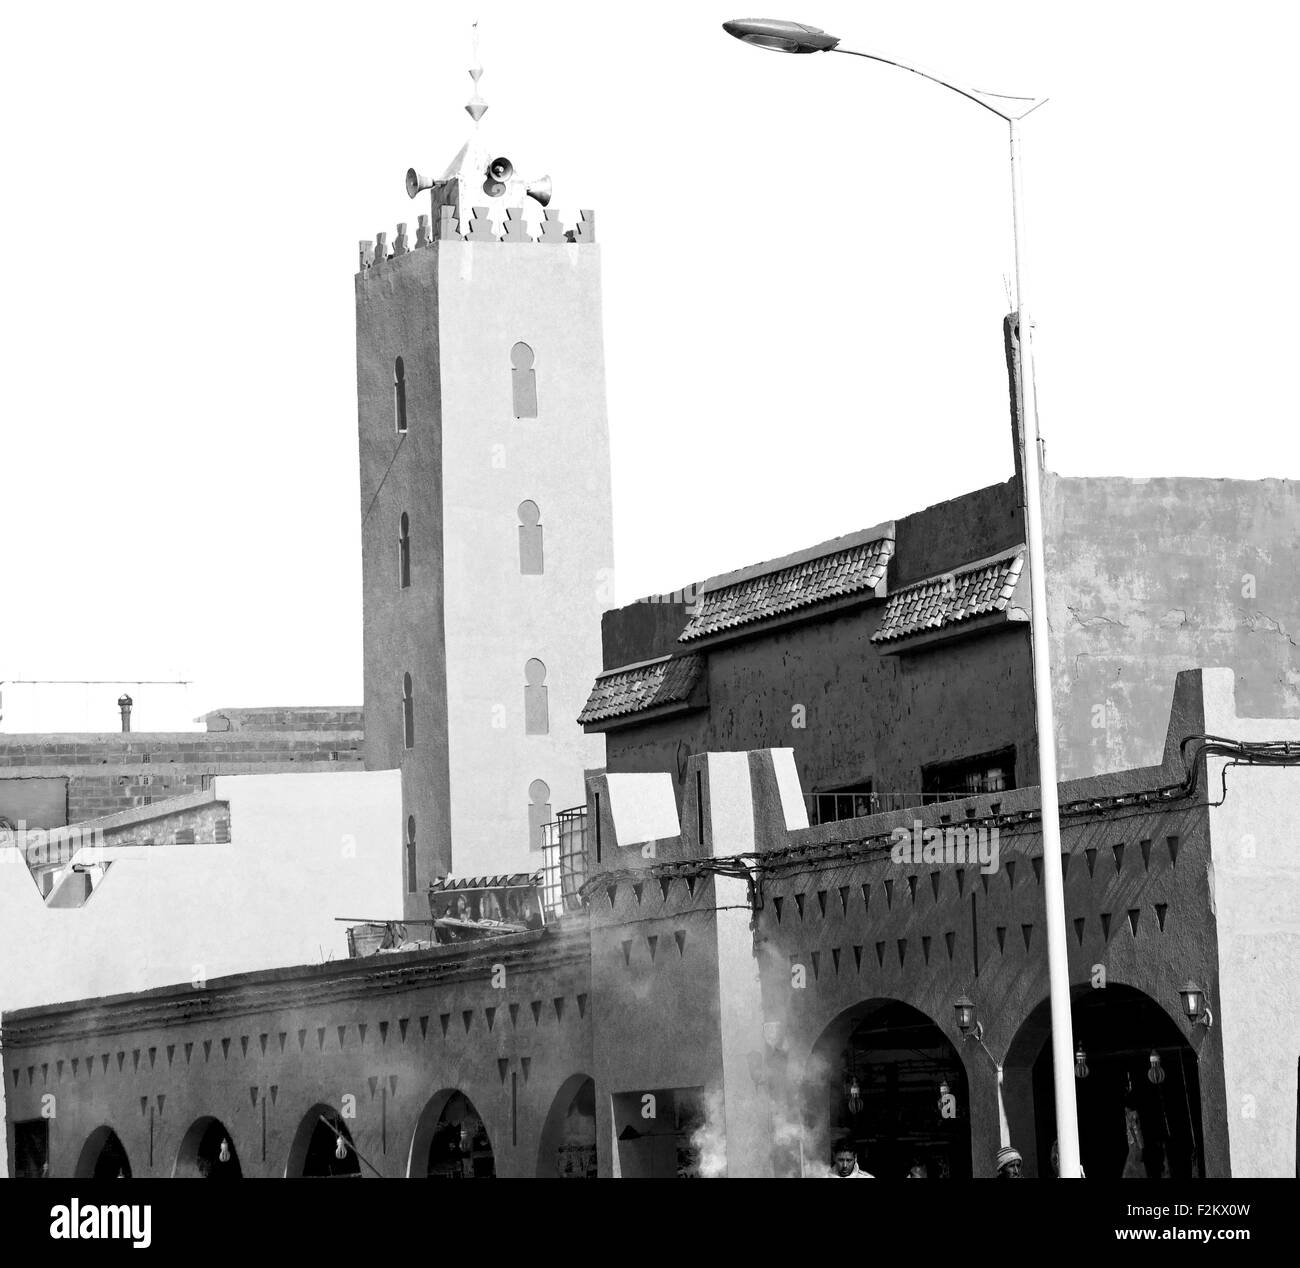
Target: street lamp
{"type": "Point", "coordinates": [794, 37]}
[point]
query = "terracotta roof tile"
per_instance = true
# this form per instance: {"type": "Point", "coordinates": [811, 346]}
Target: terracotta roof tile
{"type": "Point", "coordinates": [667, 681]}
{"type": "Point", "coordinates": [860, 567]}
{"type": "Point", "coordinates": [956, 596]}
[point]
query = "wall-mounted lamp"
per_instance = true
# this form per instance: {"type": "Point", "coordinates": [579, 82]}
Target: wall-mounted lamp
{"type": "Point", "coordinates": [966, 1023]}
{"type": "Point", "coordinates": [1157, 1072]}
{"type": "Point", "coordinates": [1194, 1005]}
{"type": "Point", "coordinates": [1080, 1062]}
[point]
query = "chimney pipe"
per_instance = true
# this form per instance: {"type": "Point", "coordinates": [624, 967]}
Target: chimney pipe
{"type": "Point", "coordinates": [124, 703]}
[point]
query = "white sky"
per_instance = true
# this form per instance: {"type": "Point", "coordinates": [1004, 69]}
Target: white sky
{"type": "Point", "coordinates": [804, 263]}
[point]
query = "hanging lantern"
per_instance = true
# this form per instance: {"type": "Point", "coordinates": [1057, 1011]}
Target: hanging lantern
{"type": "Point", "coordinates": [855, 1095]}
{"type": "Point", "coordinates": [340, 1148]}
{"type": "Point", "coordinates": [1157, 1072]}
{"type": "Point", "coordinates": [1080, 1063]}
{"type": "Point", "coordinates": [223, 1154]}
{"type": "Point", "coordinates": [965, 1010]}
{"type": "Point", "coordinates": [1195, 1006]}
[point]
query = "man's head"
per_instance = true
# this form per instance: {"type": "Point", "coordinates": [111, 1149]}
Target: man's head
{"type": "Point", "coordinates": [1009, 1164]}
{"type": "Point", "coordinates": [844, 1158]}
{"type": "Point", "coordinates": [918, 1171]}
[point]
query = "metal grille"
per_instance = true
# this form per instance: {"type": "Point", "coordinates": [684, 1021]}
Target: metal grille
{"type": "Point", "coordinates": [564, 861]}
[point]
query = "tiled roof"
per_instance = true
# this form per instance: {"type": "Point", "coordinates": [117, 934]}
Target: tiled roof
{"type": "Point", "coordinates": [953, 597]}
{"type": "Point", "coordinates": [860, 567]}
{"type": "Point", "coordinates": [666, 681]}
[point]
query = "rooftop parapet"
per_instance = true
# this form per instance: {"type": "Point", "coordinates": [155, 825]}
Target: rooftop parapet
{"type": "Point", "coordinates": [481, 228]}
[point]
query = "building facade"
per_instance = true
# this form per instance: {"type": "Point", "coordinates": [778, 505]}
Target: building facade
{"type": "Point", "coordinates": [896, 661]}
{"type": "Point", "coordinates": [741, 988]}
{"type": "Point", "coordinates": [52, 780]}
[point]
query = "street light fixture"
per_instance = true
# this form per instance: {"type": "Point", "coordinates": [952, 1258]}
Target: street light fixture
{"type": "Point", "coordinates": [782, 37]}
{"type": "Point", "coordinates": [794, 37]}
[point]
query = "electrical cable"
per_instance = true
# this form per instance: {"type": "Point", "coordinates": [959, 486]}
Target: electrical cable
{"type": "Point", "coordinates": [845, 856]}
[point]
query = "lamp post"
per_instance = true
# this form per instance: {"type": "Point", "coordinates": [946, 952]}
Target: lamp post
{"type": "Point", "coordinates": [794, 37]}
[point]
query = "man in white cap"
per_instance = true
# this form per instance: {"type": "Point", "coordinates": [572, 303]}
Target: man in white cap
{"type": "Point", "coordinates": [1010, 1163]}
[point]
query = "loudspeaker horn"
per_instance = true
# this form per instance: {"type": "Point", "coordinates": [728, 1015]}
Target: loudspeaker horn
{"type": "Point", "coordinates": [415, 182]}
{"type": "Point", "coordinates": [500, 169]}
{"type": "Point", "coordinates": [540, 189]}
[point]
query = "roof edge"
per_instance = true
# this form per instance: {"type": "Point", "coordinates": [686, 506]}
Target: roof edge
{"type": "Point", "coordinates": [882, 531]}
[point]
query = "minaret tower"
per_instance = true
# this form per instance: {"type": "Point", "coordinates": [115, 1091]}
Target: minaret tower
{"type": "Point", "coordinates": [485, 503]}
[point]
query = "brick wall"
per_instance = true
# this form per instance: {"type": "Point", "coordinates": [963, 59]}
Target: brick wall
{"type": "Point", "coordinates": [111, 772]}
{"type": "Point", "coordinates": [343, 718]}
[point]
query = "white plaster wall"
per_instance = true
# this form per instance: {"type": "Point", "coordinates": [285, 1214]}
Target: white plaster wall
{"type": "Point", "coordinates": [304, 849]}
{"type": "Point", "coordinates": [492, 295]}
{"type": "Point", "coordinates": [1256, 887]}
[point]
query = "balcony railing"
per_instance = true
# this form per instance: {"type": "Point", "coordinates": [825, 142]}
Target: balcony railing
{"type": "Point", "coordinates": [832, 807]}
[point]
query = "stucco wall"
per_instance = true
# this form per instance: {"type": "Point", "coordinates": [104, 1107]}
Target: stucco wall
{"type": "Point", "coordinates": [397, 315]}
{"type": "Point", "coordinates": [644, 630]}
{"type": "Point", "coordinates": [305, 849]}
{"type": "Point", "coordinates": [948, 534]}
{"type": "Point", "coordinates": [1150, 577]}
{"type": "Point", "coordinates": [865, 715]}
{"type": "Point", "coordinates": [496, 620]}
{"type": "Point", "coordinates": [1256, 896]}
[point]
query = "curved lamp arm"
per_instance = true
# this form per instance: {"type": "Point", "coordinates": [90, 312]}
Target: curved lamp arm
{"type": "Point", "coordinates": [1001, 104]}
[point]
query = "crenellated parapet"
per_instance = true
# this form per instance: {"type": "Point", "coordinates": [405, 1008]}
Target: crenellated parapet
{"type": "Point", "coordinates": [481, 227]}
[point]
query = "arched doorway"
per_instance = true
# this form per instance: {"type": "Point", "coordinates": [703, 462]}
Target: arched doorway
{"type": "Point", "coordinates": [207, 1152]}
{"type": "Point", "coordinates": [103, 1157]}
{"type": "Point", "coordinates": [1140, 1101]}
{"type": "Point", "coordinates": [886, 1078]}
{"type": "Point", "coordinates": [451, 1141]}
{"type": "Point", "coordinates": [568, 1148]}
{"type": "Point", "coordinates": [316, 1146]}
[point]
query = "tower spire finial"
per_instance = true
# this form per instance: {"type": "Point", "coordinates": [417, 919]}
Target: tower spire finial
{"type": "Point", "coordinates": [477, 107]}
